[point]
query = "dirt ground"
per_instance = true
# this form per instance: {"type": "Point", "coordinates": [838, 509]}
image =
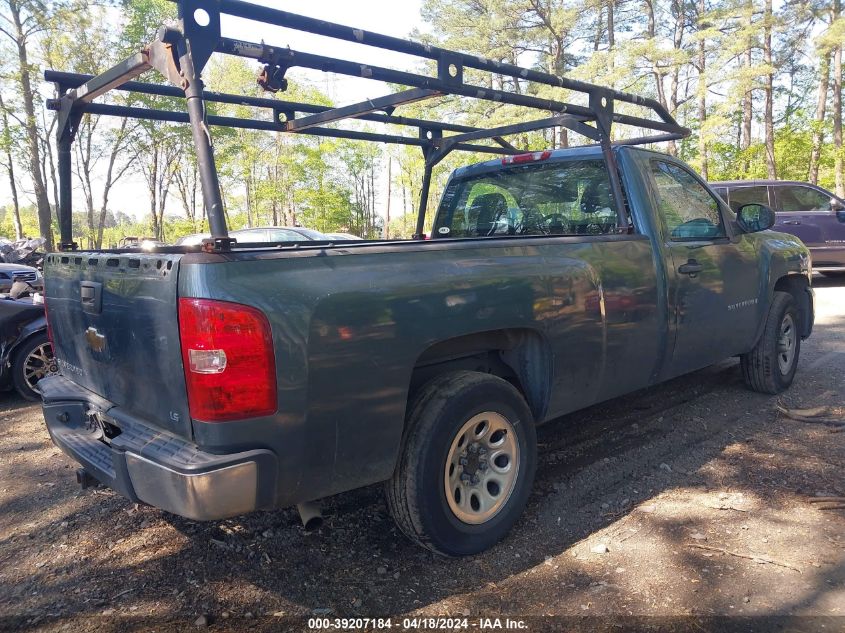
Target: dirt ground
{"type": "Point", "coordinates": [687, 503]}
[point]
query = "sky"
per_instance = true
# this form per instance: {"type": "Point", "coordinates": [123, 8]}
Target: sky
{"type": "Point", "coordinates": [390, 17]}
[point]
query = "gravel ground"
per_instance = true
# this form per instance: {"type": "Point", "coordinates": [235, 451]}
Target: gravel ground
{"type": "Point", "coordinates": [694, 498]}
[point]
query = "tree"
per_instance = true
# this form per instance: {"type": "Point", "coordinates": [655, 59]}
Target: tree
{"type": "Point", "coordinates": [7, 140]}
{"type": "Point", "coordinates": [818, 120]}
{"type": "Point", "coordinates": [22, 21]}
{"type": "Point", "coordinates": [769, 90]}
{"type": "Point", "coordinates": [839, 174]}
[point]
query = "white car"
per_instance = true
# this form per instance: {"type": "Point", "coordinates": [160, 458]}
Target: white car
{"type": "Point", "coordinates": [192, 240]}
{"type": "Point", "coordinates": [10, 272]}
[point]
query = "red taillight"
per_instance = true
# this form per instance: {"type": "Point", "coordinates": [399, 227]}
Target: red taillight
{"type": "Point", "coordinates": [227, 353]}
{"type": "Point", "coordinates": [530, 157]}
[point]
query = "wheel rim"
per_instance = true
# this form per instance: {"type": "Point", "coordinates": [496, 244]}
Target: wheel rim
{"type": "Point", "coordinates": [481, 467]}
{"type": "Point", "coordinates": [38, 364]}
{"type": "Point", "coordinates": [786, 344]}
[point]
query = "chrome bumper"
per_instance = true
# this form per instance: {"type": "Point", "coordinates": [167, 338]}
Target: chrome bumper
{"type": "Point", "coordinates": [154, 467]}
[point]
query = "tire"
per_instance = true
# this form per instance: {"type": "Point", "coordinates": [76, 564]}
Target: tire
{"type": "Point", "coordinates": [769, 367]}
{"type": "Point", "coordinates": [449, 407]}
{"type": "Point", "coordinates": [29, 351]}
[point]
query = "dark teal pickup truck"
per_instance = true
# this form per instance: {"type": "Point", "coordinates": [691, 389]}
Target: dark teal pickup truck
{"type": "Point", "coordinates": [219, 380]}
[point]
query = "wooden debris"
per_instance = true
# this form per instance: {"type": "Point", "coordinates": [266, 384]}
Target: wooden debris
{"type": "Point", "coordinates": [816, 415]}
{"type": "Point", "coordinates": [756, 559]}
{"type": "Point", "coordinates": [813, 412]}
{"type": "Point", "coordinates": [826, 499]}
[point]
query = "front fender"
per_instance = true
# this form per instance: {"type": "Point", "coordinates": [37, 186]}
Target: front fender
{"type": "Point", "coordinates": [784, 257]}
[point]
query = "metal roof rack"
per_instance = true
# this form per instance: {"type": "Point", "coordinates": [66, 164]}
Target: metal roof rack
{"type": "Point", "coordinates": [180, 54]}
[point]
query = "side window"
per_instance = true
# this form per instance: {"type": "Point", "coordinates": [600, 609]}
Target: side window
{"type": "Point", "coordinates": [280, 235]}
{"type": "Point", "coordinates": [250, 236]}
{"type": "Point", "coordinates": [798, 198]}
{"type": "Point", "coordinates": [688, 209]}
{"type": "Point", "coordinates": [748, 195]}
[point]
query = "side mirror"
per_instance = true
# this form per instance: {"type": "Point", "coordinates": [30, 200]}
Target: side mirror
{"type": "Point", "coordinates": [836, 205]}
{"type": "Point", "coordinates": [755, 217]}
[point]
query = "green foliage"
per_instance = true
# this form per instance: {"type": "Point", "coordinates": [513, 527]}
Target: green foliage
{"type": "Point", "coordinates": [674, 51]}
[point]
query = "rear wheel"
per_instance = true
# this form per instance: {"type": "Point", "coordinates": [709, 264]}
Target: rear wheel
{"type": "Point", "coordinates": [770, 366]}
{"type": "Point", "coordinates": [33, 361]}
{"type": "Point", "coordinates": [467, 463]}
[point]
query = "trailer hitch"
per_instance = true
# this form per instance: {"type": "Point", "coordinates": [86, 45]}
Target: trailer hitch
{"type": "Point", "coordinates": [86, 479]}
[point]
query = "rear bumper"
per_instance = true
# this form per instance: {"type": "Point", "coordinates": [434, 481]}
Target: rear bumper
{"type": "Point", "coordinates": [148, 465]}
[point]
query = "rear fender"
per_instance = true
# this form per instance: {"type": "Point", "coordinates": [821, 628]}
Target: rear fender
{"type": "Point", "coordinates": [28, 331]}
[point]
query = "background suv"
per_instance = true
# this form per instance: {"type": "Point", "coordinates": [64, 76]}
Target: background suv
{"type": "Point", "coordinates": [811, 213]}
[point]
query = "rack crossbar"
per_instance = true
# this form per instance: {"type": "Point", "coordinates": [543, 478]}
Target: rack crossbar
{"type": "Point", "coordinates": [180, 55]}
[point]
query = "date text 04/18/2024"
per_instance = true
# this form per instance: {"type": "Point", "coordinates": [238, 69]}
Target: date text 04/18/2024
{"type": "Point", "coordinates": [420, 623]}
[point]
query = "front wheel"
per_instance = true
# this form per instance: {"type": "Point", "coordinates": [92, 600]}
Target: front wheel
{"type": "Point", "coordinates": [33, 361]}
{"type": "Point", "coordinates": [466, 465]}
{"type": "Point", "coordinates": [770, 366]}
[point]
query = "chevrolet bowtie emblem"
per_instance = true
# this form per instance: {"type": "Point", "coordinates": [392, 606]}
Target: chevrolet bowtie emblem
{"type": "Point", "coordinates": [96, 341]}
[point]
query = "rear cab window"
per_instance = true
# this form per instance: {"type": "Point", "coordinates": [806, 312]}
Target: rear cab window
{"type": "Point", "coordinates": [569, 197]}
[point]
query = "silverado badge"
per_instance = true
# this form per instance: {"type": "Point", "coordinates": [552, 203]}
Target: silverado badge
{"type": "Point", "coordinates": [96, 341]}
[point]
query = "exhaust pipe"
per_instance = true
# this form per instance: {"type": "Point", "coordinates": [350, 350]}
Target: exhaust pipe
{"type": "Point", "coordinates": [310, 515]}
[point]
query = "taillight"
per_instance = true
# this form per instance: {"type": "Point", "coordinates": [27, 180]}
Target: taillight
{"type": "Point", "coordinates": [530, 157]}
{"type": "Point", "coordinates": [227, 353]}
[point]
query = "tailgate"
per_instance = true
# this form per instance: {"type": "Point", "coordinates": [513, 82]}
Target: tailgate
{"type": "Point", "coordinates": [115, 329]}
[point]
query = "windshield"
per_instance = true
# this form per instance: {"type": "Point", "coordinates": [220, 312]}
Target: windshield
{"type": "Point", "coordinates": [311, 233]}
{"type": "Point", "coordinates": [560, 198]}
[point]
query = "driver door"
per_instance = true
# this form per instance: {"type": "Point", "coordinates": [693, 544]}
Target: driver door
{"type": "Point", "coordinates": [712, 275]}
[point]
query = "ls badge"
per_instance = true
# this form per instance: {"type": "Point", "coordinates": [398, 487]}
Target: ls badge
{"type": "Point", "coordinates": [96, 341]}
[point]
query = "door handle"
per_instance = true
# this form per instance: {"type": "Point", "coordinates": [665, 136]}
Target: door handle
{"type": "Point", "coordinates": [691, 268]}
{"type": "Point", "coordinates": [792, 221]}
{"type": "Point", "coordinates": [91, 296]}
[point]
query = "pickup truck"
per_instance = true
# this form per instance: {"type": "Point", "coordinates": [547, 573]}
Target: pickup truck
{"type": "Point", "coordinates": [219, 379]}
{"type": "Point", "coordinates": [211, 385]}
